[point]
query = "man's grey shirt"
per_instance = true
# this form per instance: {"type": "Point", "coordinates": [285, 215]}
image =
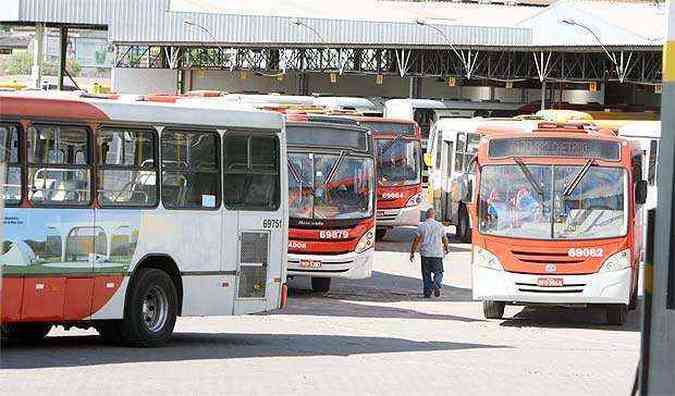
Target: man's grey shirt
{"type": "Point", "coordinates": [431, 234]}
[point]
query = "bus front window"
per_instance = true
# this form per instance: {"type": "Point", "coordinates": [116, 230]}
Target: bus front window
{"type": "Point", "coordinates": [594, 209]}
{"type": "Point", "coordinates": [510, 207]}
{"type": "Point", "coordinates": [398, 162]}
{"type": "Point", "coordinates": [325, 186]}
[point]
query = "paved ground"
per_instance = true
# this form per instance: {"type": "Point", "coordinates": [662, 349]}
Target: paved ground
{"type": "Point", "coordinates": [368, 337]}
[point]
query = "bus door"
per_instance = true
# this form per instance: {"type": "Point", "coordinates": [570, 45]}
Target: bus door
{"type": "Point", "coordinates": [446, 176]}
{"type": "Point", "coordinates": [54, 241]}
{"type": "Point", "coordinates": [252, 174]}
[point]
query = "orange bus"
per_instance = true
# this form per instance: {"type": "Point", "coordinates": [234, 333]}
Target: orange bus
{"type": "Point", "coordinates": [559, 220]}
{"type": "Point", "coordinates": [399, 171]}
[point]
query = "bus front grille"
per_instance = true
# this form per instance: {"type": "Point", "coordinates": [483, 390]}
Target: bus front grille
{"type": "Point", "coordinates": [576, 288]}
{"type": "Point", "coordinates": [546, 257]}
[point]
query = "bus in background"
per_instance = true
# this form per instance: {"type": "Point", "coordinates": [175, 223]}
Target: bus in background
{"type": "Point", "coordinates": [452, 149]}
{"type": "Point", "coordinates": [559, 215]}
{"type": "Point", "coordinates": [648, 135]}
{"type": "Point", "coordinates": [363, 106]}
{"type": "Point", "coordinates": [332, 198]}
{"type": "Point", "coordinates": [399, 172]}
{"type": "Point", "coordinates": [426, 112]}
{"type": "Point", "coordinates": [95, 237]}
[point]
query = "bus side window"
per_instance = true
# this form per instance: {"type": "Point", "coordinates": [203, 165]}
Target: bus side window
{"type": "Point", "coordinates": [190, 169]}
{"type": "Point", "coordinates": [10, 153]}
{"type": "Point", "coordinates": [59, 165]}
{"type": "Point", "coordinates": [439, 149]}
{"type": "Point", "coordinates": [127, 167]}
{"type": "Point", "coordinates": [251, 171]}
{"type": "Point", "coordinates": [653, 156]}
{"type": "Point", "coordinates": [459, 151]}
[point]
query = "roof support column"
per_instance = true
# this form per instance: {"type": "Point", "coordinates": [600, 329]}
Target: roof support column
{"type": "Point", "coordinates": [38, 55]}
{"type": "Point", "coordinates": [414, 87]}
{"type": "Point", "coordinates": [63, 53]}
{"type": "Point", "coordinates": [543, 71]}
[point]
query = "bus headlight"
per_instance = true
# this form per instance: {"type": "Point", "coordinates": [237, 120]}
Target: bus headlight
{"type": "Point", "coordinates": [616, 262]}
{"type": "Point", "coordinates": [485, 259]}
{"type": "Point", "coordinates": [414, 200]}
{"type": "Point", "coordinates": [366, 242]}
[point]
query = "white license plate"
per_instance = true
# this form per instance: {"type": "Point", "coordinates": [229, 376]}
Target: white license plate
{"type": "Point", "coordinates": [310, 264]}
{"type": "Point", "coordinates": [550, 282]}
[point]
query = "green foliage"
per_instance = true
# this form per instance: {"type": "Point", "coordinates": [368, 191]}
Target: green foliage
{"type": "Point", "coordinates": [21, 62]}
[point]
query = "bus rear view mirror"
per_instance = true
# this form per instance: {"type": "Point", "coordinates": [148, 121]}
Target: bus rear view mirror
{"type": "Point", "coordinates": [641, 192]}
{"type": "Point", "coordinates": [427, 160]}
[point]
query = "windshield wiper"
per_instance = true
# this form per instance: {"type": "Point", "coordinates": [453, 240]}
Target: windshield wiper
{"type": "Point", "coordinates": [334, 169]}
{"type": "Point", "coordinates": [391, 144]}
{"type": "Point", "coordinates": [294, 172]}
{"type": "Point", "coordinates": [530, 178]}
{"type": "Point", "coordinates": [569, 189]}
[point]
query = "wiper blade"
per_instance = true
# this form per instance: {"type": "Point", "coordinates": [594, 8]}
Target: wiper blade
{"type": "Point", "coordinates": [391, 144]}
{"type": "Point", "coordinates": [334, 169]}
{"type": "Point", "coordinates": [569, 189]}
{"type": "Point", "coordinates": [294, 171]}
{"type": "Point", "coordinates": [530, 178]}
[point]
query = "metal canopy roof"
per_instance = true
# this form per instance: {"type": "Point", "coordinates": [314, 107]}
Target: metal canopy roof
{"type": "Point", "coordinates": [350, 23]}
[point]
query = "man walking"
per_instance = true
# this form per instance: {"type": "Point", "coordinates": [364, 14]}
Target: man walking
{"type": "Point", "coordinates": [433, 244]}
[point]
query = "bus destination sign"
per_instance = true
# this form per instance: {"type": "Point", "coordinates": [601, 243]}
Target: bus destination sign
{"type": "Point", "coordinates": [554, 147]}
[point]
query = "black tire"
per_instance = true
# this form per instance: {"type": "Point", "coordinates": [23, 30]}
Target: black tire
{"type": "Point", "coordinates": [154, 290]}
{"type": "Point", "coordinates": [25, 332]}
{"type": "Point", "coordinates": [616, 314]}
{"type": "Point", "coordinates": [463, 228]}
{"type": "Point", "coordinates": [380, 233]}
{"type": "Point", "coordinates": [321, 285]}
{"type": "Point", "coordinates": [633, 304]}
{"type": "Point", "coordinates": [493, 309]}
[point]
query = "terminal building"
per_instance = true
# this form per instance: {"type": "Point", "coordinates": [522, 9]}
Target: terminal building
{"type": "Point", "coordinates": [569, 51]}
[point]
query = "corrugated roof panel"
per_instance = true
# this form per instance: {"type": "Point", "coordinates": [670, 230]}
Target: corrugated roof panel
{"type": "Point", "coordinates": [85, 12]}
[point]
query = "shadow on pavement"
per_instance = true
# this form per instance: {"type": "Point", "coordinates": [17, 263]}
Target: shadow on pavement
{"type": "Point", "coordinates": [350, 298]}
{"type": "Point", "coordinates": [570, 318]}
{"type": "Point", "coordinates": [78, 351]}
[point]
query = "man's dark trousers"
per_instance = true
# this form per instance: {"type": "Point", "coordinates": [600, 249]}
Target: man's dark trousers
{"type": "Point", "coordinates": [432, 265]}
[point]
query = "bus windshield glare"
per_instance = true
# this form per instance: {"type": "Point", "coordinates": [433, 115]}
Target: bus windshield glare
{"type": "Point", "coordinates": [326, 186]}
{"type": "Point", "coordinates": [509, 205]}
{"type": "Point", "coordinates": [398, 162]}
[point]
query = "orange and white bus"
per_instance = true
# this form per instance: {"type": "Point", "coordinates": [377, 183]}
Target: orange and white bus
{"type": "Point", "coordinates": [559, 215]}
{"type": "Point", "coordinates": [399, 171]}
{"type": "Point", "coordinates": [123, 214]}
{"type": "Point", "coordinates": [331, 168]}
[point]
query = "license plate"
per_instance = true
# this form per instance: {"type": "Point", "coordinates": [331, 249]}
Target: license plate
{"type": "Point", "coordinates": [310, 264]}
{"type": "Point", "coordinates": [550, 282]}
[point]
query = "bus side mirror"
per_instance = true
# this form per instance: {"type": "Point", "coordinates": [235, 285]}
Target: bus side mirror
{"type": "Point", "coordinates": [428, 160]}
{"type": "Point", "coordinates": [641, 192]}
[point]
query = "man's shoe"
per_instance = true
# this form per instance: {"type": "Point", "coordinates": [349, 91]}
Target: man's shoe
{"type": "Point", "coordinates": [437, 292]}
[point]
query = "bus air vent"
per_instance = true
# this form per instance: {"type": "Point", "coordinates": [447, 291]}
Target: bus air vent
{"type": "Point", "coordinates": [253, 256]}
{"type": "Point", "coordinates": [546, 257]}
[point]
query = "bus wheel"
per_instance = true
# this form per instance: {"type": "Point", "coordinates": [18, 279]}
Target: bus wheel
{"type": "Point", "coordinates": [616, 314]}
{"type": "Point", "coordinates": [493, 309]}
{"type": "Point", "coordinates": [320, 285]}
{"type": "Point", "coordinates": [150, 312]}
{"type": "Point", "coordinates": [463, 228]}
{"type": "Point", "coordinates": [380, 233]}
{"type": "Point", "coordinates": [25, 332]}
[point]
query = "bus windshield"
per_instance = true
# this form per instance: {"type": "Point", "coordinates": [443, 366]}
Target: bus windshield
{"type": "Point", "coordinates": [398, 162]}
{"type": "Point", "coordinates": [510, 206]}
{"type": "Point", "coordinates": [329, 186]}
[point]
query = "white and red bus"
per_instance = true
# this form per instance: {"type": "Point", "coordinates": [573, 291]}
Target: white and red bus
{"type": "Point", "coordinates": [331, 181]}
{"type": "Point", "coordinates": [559, 214]}
{"type": "Point", "coordinates": [123, 214]}
{"type": "Point", "coordinates": [399, 171]}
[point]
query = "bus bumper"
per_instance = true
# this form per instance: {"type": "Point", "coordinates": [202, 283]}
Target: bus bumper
{"type": "Point", "coordinates": [522, 289]}
{"type": "Point", "coordinates": [348, 266]}
{"type": "Point", "coordinates": [390, 218]}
